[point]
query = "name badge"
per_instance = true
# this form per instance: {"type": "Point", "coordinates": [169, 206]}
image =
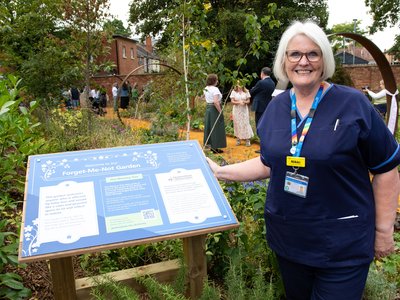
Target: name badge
{"type": "Point", "coordinates": [293, 161]}
{"type": "Point", "coordinates": [296, 184]}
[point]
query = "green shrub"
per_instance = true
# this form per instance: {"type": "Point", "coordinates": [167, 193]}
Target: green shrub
{"type": "Point", "coordinates": [108, 289]}
{"type": "Point", "coordinates": [19, 138]}
{"type": "Point", "coordinates": [247, 243]}
{"type": "Point", "coordinates": [11, 286]}
{"type": "Point", "coordinates": [71, 130]}
{"type": "Point", "coordinates": [378, 287]}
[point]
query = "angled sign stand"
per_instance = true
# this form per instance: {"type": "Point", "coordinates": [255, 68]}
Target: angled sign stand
{"type": "Point", "coordinates": [87, 201]}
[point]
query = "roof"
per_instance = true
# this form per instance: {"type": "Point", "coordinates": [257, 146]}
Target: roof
{"type": "Point", "coordinates": [142, 52]}
{"type": "Point", "coordinates": [141, 49]}
{"type": "Point", "coordinates": [124, 38]}
{"type": "Point", "coordinates": [349, 58]}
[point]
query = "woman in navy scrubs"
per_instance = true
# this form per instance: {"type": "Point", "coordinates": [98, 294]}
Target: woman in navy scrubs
{"type": "Point", "coordinates": [320, 142]}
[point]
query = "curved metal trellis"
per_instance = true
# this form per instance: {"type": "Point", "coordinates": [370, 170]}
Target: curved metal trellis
{"type": "Point", "coordinates": [130, 74]}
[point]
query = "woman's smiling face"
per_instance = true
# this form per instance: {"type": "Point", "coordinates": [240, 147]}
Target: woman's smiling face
{"type": "Point", "coordinates": [303, 73]}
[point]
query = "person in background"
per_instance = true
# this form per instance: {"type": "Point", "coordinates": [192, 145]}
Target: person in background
{"type": "Point", "coordinates": [66, 95]}
{"type": "Point", "coordinates": [75, 97]}
{"type": "Point", "coordinates": [135, 92]}
{"type": "Point", "coordinates": [125, 96]}
{"type": "Point", "coordinates": [103, 99]}
{"type": "Point", "coordinates": [261, 93]}
{"type": "Point", "coordinates": [240, 98]}
{"type": "Point", "coordinates": [93, 95]}
{"type": "Point", "coordinates": [320, 142]}
{"type": "Point", "coordinates": [379, 99]}
{"type": "Point", "coordinates": [114, 92]}
{"type": "Point", "coordinates": [214, 125]}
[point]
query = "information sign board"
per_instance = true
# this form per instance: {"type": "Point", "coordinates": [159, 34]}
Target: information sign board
{"type": "Point", "coordinates": [82, 199]}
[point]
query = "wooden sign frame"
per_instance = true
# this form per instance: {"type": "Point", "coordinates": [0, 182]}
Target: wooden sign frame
{"type": "Point", "coordinates": [149, 181]}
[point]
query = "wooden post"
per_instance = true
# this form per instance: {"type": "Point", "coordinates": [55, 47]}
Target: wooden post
{"type": "Point", "coordinates": [62, 274]}
{"type": "Point", "coordinates": [196, 262]}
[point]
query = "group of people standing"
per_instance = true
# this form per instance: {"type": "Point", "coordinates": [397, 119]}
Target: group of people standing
{"type": "Point", "coordinates": [332, 165]}
{"type": "Point", "coordinates": [127, 93]}
{"type": "Point", "coordinates": [214, 127]}
{"type": "Point", "coordinates": [72, 98]}
{"type": "Point", "coordinates": [98, 97]}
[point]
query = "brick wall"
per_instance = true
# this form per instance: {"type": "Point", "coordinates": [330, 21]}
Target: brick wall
{"type": "Point", "coordinates": [370, 75]}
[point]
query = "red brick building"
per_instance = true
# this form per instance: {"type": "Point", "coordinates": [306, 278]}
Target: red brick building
{"type": "Point", "coordinates": [128, 54]}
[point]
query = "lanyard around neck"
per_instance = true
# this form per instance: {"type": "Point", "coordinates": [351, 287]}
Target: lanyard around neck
{"type": "Point", "coordinates": [297, 144]}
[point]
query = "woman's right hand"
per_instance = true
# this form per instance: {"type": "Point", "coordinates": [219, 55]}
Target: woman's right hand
{"type": "Point", "coordinates": [213, 165]}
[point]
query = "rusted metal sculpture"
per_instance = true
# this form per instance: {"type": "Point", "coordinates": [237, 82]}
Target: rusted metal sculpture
{"type": "Point", "coordinates": [386, 72]}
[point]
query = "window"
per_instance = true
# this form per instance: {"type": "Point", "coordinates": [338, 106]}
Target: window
{"type": "Point", "coordinates": [123, 52]}
{"type": "Point", "coordinates": [132, 54]}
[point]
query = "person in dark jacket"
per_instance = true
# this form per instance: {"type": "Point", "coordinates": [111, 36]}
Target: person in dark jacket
{"type": "Point", "coordinates": [75, 96]}
{"type": "Point", "coordinates": [261, 93]}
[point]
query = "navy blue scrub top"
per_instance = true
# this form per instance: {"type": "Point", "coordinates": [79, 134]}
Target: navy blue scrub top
{"type": "Point", "coordinates": [334, 225]}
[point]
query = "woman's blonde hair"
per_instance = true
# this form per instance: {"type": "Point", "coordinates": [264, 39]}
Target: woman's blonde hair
{"type": "Point", "coordinates": [239, 85]}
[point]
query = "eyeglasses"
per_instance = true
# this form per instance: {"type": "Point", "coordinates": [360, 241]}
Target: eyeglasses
{"type": "Point", "coordinates": [295, 56]}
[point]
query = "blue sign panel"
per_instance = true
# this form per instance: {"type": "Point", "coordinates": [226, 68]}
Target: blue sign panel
{"type": "Point", "coordinates": [82, 199]}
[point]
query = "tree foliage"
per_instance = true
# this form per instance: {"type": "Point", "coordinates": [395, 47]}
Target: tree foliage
{"type": "Point", "coordinates": [48, 43]}
{"type": "Point", "coordinates": [116, 26]}
{"type": "Point", "coordinates": [385, 13]}
{"type": "Point", "coordinates": [341, 42]}
{"type": "Point", "coordinates": [232, 36]}
{"type": "Point", "coordinates": [27, 27]}
{"type": "Point", "coordinates": [85, 20]}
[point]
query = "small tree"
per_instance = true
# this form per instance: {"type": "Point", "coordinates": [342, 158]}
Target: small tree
{"type": "Point", "coordinates": [85, 19]}
{"type": "Point", "coordinates": [341, 76]}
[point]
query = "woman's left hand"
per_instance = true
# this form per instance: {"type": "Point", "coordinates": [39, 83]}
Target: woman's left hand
{"type": "Point", "coordinates": [386, 188]}
{"type": "Point", "coordinates": [384, 244]}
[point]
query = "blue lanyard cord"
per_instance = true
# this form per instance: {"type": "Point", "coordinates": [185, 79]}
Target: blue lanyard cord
{"type": "Point", "coordinates": [297, 144]}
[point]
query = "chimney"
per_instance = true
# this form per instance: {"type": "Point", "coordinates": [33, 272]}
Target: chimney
{"type": "Point", "coordinates": [149, 46]}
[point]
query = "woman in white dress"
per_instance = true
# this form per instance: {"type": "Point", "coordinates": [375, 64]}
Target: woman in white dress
{"type": "Point", "coordinates": [240, 98]}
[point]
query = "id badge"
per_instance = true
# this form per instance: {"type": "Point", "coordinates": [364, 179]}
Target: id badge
{"type": "Point", "coordinates": [296, 184]}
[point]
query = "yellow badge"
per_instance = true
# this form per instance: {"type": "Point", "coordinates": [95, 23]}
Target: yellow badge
{"type": "Point", "coordinates": [293, 161]}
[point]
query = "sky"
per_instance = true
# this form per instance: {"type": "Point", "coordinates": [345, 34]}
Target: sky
{"type": "Point", "coordinates": [340, 11]}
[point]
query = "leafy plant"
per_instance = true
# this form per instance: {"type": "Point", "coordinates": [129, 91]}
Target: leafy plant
{"type": "Point", "coordinates": [11, 286]}
{"type": "Point", "coordinates": [18, 140]}
{"type": "Point", "coordinates": [383, 277]}
{"type": "Point", "coordinates": [378, 287]}
{"type": "Point", "coordinates": [71, 130]}
{"type": "Point", "coordinates": [109, 289]}
{"type": "Point", "coordinates": [247, 244]}
{"type": "Point", "coordinates": [18, 137]}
